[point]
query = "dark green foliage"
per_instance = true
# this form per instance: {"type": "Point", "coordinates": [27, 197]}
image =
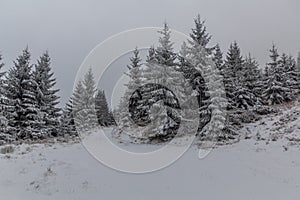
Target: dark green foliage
{"type": "Point", "coordinates": [104, 115]}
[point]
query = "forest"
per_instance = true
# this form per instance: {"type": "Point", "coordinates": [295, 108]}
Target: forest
{"type": "Point", "coordinates": [30, 102]}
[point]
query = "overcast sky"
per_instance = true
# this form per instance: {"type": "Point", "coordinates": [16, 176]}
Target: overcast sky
{"type": "Point", "coordinates": [70, 29]}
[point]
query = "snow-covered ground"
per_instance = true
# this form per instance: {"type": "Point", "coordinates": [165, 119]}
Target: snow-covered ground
{"type": "Point", "coordinates": [249, 169]}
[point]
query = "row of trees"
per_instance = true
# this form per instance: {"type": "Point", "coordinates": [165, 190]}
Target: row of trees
{"type": "Point", "coordinates": [29, 101]}
{"type": "Point", "coordinates": [247, 85]}
{"type": "Point", "coordinates": [89, 105]}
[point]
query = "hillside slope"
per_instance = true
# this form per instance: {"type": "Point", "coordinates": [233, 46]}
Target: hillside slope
{"type": "Point", "coordinates": [264, 166]}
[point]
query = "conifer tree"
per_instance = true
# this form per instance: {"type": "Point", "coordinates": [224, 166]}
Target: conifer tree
{"type": "Point", "coordinates": [252, 79]}
{"type": "Point", "coordinates": [67, 125]}
{"type": "Point", "coordinates": [275, 90]}
{"type": "Point", "coordinates": [1, 66]}
{"type": "Point", "coordinates": [164, 54]}
{"type": "Point", "coordinates": [232, 73]}
{"type": "Point", "coordinates": [274, 57]}
{"type": "Point", "coordinates": [104, 115]}
{"type": "Point", "coordinates": [200, 36]}
{"type": "Point", "coordinates": [83, 100]}
{"type": "Point", "coordinates": [45, 94]}
{"type": "Point", "coordinates": [213, 101]}
{"type": "Point", "coordinates": [135, 81]}
{"type": "Point", "coordinates": [290, 75]}
{"type": "Point", "coordinates": [298, 61]}
{"type": "Point", "coordinates": [163, 71]}
{"type": "Point", "coordinates": [23, 114]}
{"type": "Point", "coordinates": [3, 118]}
{"type": "Point", "coordinates": [78, 106]}
{"type": "Point", "coordinates": [218, 57]}
{"type": "Point", "coordinates": [89, 98]}
{"type": "Point", "coordinates": [234, 59]}
{"type": "Point", "coordinates": [151, 54]}
{"type": "Point", "coordinates": [248, 85]}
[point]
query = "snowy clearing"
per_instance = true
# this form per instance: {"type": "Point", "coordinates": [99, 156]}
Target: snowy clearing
{"type": "Point", "coordinates": [246, 170]}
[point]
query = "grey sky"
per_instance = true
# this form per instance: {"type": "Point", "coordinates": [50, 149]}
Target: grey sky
{"type": "Point", "coordinates": [69, 29]}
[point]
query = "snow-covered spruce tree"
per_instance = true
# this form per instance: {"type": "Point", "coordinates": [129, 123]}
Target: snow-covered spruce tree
{"type": "Point", "coordinates": [232, 73]}
{"type": "Point", "coordinates": [164, 54]}
{"type": "Point", "coordinates": [188, 70]}
{"type": "Point", "coordinates": [67, 125]}
{"type": "Point", "coordinates": [239, 96]}
{"type": "Point", "coordinates": [2, 106]}
{"type": "Point", "coordinates": [200, 36]}
{"type": "Point", "coordinates": [151, 54]}
{"type": "Point", "coordinates": [213, 106]}
{"type": "Point", "coordinates": [163, 70]}
{"type": "Point", "coordinates": [298, 61]}
{"type": "Point", "coordinates": [290, 74]}
{"type": "Point", "coordinates": [248, 86]}
{"type": "Point", "coordinates": [275, 90]}
{"type": "Point", "coordinates": [83, 101]}
{"type": "Point", "coordinates": [218, 57]}
{"type": "Point", "coordinates": [294, 74]}
{"type": "Point", "coordinates": [78, 106]}
{"type": "Point", "coordinates": [135, 81]}
{"type": "Point", "coordinates": [274, 58]}
{"type": "Point", "coordinates": [298, 71]}
{"type": "Point", "coordinates": [252, 80]}
{"type": "Point", "coordinates": [23, 113]}
{"type": "Point", "coordinates": [4, 137]}
{"type": "Point", "coordinates": [104, 115]}
{"type": "Point", "coordinates": [198, 47]}
{"type": "Point", "coordinates": [1, 66]}
{"type": "Point", "coordinates": [135, 73]}
{"type": "Point", "coordinates": [46, 96]}
{"type": "Point", "coordinates": [89, 98]}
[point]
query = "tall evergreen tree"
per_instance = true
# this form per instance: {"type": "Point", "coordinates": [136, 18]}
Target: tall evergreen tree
{"type": "Point", "coordinates": [218, 57]}
{"type": "Point", "coordinates": [3, 118]}
{"type": "Point", "coordinates": [163, 55]}
{"type": "Point", "coordinates": [234, 59]}
{"type": "Point", "coordinates": [77, 98]}
{"type": "Point", "coordinates": [208, 84]}
{"type": "Point", "coordinates": [1, 66]}
{"type": "Point", "coordinates": [89, 89]}
{"type": "Point", "coordinates": [274, 58]}
{"type": "Point", "coordinates": [23, 114]}
{"type": "Point", "coordinates": [298, 72]}
{"type": "Point", "coordinates": [77, 105]}
{"type": "Point", "coordinates": [200, 36]}
{"type": "Point", "coordinates": [252, 79]}
{"type": "Point", "coordinates": [247, 93]}
{"type": "Point", "coordinates": [275, 90]}
{"type": "Point", "coordinates": [290, 74]}
{"type": "Point", "coordinates": [151, 54]}
{"type": "Point", "coordinates": [135, 71]}
{"type": "Point", "coordinates": [298, 61]}
{"type": "Point", "coordinates": [164, 52]}
{"type": "Point", "coordinates": [163, 71]}
{"type": "Point", "coordinates": [83, 100]}
{"type": "Point", "coordinates": [46, 95]}
{"type": "Point", "coordinates": [198, 42]}
{"type": "Point", "coordinates": [67, 125]}
{"type": "Point", "coordinates": [232, 73]}
{"type": "Point", "coordinates": [135, 81]}
{"type": "Point", "coordinates": [104, 115]}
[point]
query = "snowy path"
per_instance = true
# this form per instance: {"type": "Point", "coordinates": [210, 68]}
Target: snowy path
{"type": "Point", "coordinates": [247, 170]}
